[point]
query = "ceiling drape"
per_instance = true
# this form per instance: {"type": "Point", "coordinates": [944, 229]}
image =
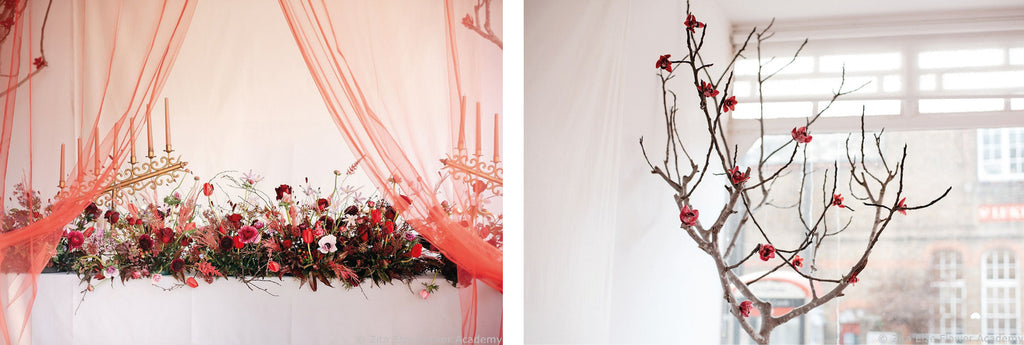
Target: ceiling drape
{"type": "Point", "coordinates": [123, 53]}
{"type": "Point", "coordinates": [415, 89]}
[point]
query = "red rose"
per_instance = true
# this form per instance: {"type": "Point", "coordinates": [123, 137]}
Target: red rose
{"type": "Point", "coordinates": [237, 242]}
{"type": "Point", "coordinates": [800, 135]}
{"type": "Point", "coordinates": [112, 216]}
{"type": "Point", "coordinates": [729, 104]}
{"type": "Point", "coordinates": [416, 251]}
{"type": "Point", "coordinates": [207, 189]}
{"type": "Point", "coordinates": [273, 266]}
{"type": "Point", "coordinates": [248, 234]}
{"type": "Point", "coordinates": [166, 235]}
{"type": "Point", "coordinates": [798, 261]}
{"type": "Point", "coordinates": [177, 265]}
{"type": "Point", "coordinates": [282, 190]}
{"type": "Point", "coordinates": [663, 63]}
{"type": "Point", "coordinates": [75, 239]}
{"type": "Point", "coordinates": [192, 283]}
{"type": "Point", "coordinates": [737, 177]}
{"type": "Point", "coordinates": [307, 236]}
{"type": "Point", "coordinates": [688, 216]}
{"type": "Point", "coordinates": [745, 308]}
{"type": "Point", "coordinates": [389, 227]}
{"type": "Point", "coordinates": [766, 251]}
{"type": "Point", "coordinates": [145, 242]}
{"type": "Point", "coordinates": [692, 23]}
{"type": "Point", "coordinates": [375, 216]}
{"type": "Point", "coordinates": [322, 204]}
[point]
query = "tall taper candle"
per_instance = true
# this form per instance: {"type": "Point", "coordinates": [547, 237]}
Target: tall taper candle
{"type": "Point", "coordinates": [149, 131]}
{"type": "Point", "coordinates": [496, 128]}
{"type": "Point", "coordinates": [61, 165]}
{"type": "Point", "coordinates": [131, 134]}
{"type": "Point", "coordinates": [477, 128]}
{"type": "Point", "coordinates": [81, 156]}
{"type": "Point", "coordinates": [462, 123]}
{"type": "Point", "coordinates": [167, 123]}
{"type": "Point", "coordinates": [96, 136]}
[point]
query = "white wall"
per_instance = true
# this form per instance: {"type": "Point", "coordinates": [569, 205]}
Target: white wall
{"type": "Point", "coordinates": [605, 258]}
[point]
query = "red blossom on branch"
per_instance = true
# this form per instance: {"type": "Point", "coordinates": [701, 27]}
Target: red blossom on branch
{"type": "Point", "coordinates": [692, 23]}
{"type": "Point", "coordinates": [853, 279]}
{"type": "Point", "coordinates": [729, 104]}
{"type": "Point", "coordinates": [707, 90]}
{"type": "Point", "coordinates": [745, 308]}
{"type": "Point", "coordinates": [901, 207]}
{"type": "Point", "coordinates": [663, 63]}
{"type": "Point", "coordinates": [798, 261]}
{"type": "Point", "coordinates": [688, 216]}
{"type": "Point", "coordinates": [837, 200]}
{"type": "Point", "coordinates": [800, 135]}
{"type": "Point", "coordinates": [766, 251]}
{"type": "Point", "coordinates": [737, 177]}
{"type": "Point", "coordinates": [39, 62]}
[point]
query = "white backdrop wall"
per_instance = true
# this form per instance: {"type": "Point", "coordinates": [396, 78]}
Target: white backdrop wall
{"type": "Point", "coordinates": [605, 258]}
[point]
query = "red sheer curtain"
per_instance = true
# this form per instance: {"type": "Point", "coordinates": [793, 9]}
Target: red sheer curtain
{"type": "Point", "coordinates": [415, 89]}
{"type": "Point", "coordinates": [123, 52]}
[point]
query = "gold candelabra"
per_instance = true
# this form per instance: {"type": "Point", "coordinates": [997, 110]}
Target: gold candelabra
{"type": "Point", "coordinates": [471, 168]}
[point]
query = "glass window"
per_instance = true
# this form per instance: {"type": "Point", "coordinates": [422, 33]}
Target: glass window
{"type": "Point", "coordinates": [1000, 154]}
{"type": "Point", "coordinates": [1000, 305]}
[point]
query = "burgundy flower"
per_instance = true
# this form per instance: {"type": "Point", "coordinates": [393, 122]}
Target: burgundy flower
{"type": "Point", "coordinates": [837, 200]}
{"type": "Point", "coordinates": [248, 234]}
{"type": "Point", "coordinates": [75, 239]}
{"type": "Point", "coordinates": [192, 283]}
{"type": "Point", "coordinates": [416, 251]}
{"type": "Point", "coordinates": [226, 243]}
{"type": "Point", "coordinates": [322, 204]}
{"type": "Point", "coordinates": [389, 227]}
{"type": "Point", "coordinates": [901, 207]}
{"type": "Point", "coordinates": [145, 242]}
{"type": "Point", "coordinates": [92, 210]}
{"type": "Point", "coordinates": [286, 244]}
{"type": "Point", "coordinates": [351, 210]}
{"type": "Point", "coordinates": [800, 135]}
{"type": "Point", "coordinates": [282, 190]}
{"type": "Point", "coordinates": [745, 308]}
{"type": "Point", "coordinates": [389, 213]}
{"type": "Point", "coordinates": [166, 235]}
{"type": "Point", "coordinates": [112, 216]}
{"type": "Point", "coordinates": [663, 63]}
{"type": "Point", "coordinates": [729, 104]}
{"type": "Point", "coordinates": [706, 89]}
{"type": "Point", "coordinates": [766, 251]}
{"type": "Point", "coordinates": [207, 189]}
{"type": "Point", "coordinates": [40, 62]}
{"type": "Point", "coordinates": [798, 261]}
{"type": "Point", "coordinates": [688, 216]}
{"type": "Point", "coordinates": [235, 219]}
{"type": "Point", "coordinates": [853, 279]}
{"type": "Point", "coordinates": [185, 241]}
{"type": "Point", "coordinates": [737, 177]}
{"type": "Point", "coordinates": [177, 265]}
{"type": "Point", "coordinates": [692, 23]}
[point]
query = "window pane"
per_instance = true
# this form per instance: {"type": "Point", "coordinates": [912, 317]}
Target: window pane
{"type": "Point", "coordinates": [964, 105]}
{"type": "Point", "coordinates": [983, 80]}
{"type": "Point", "coordinates": [774, 110]}
{"type": "Point", "coordinates": [853, 108]}
{"type": "Point", "coordinates": [960, 58]}
{"type": "Point", "coordinates": [861, 62]}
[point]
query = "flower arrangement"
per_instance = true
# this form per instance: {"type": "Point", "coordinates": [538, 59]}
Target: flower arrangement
{"type": "Point", "coordinates": [212, 232]}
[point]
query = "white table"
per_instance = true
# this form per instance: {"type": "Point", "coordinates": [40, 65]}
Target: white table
{"type": "Point", "coordinates": [227, 312]}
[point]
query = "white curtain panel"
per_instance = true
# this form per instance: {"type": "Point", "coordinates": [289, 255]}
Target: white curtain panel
{"type": "Point", "coordinates": [605, 260]}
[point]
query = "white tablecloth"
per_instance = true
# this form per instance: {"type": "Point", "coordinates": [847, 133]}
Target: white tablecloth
{"type": "Point", "coordinates": [227, 312]}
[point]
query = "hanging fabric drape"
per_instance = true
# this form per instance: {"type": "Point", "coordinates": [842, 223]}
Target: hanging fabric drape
{"type": "Point", "coordinates": [415, 89]}
{"type": "Point", "coordinates": [123, 52]}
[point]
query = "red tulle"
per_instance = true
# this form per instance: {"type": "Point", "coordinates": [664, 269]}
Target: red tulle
{"type": "Point", "coordinates": [123, 52]}
{"type": "Point", "coordinates": [398, 78]}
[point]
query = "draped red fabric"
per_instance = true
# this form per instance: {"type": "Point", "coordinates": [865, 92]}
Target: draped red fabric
{"type": "Point", "coordinates": [415, 89]}
{"type": "Point", "coordinates": [123, 52]}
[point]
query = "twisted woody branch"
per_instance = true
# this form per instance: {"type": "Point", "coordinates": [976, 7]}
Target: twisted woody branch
{"type": "Point", "coordinates": [746, 196]}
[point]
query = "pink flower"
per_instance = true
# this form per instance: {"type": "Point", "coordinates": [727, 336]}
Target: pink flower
{"type": "Point", "coordinates": [729, 104]}
{"type": "Point", "coordinates": [737, 177]}
{"type": "Point", "coordinates": [688, 216]}
{"type": "Point", "coordinates": [328, 244]}
{"type": "Point", "coordinates": [692, 23]}
{"type": "Point", "coordinates": [156, 278]}
{"type": "Point", "coordinates": [745, 308]}
{"type": "Point", "coordinates": [75, 239]}
{"type": "Point", "coordinates": [318, 231]}
{"type": "Point", "coordinates": [707, 90]}
{"type": "Point", "coordinates": [136, 274]}
{"type": "Point", "coordinates": [248, 234]}
{"type": "Point", "coordinates": [663, 63]}
{"type": "Point", "coordinates": [837, 200]}
{"type": "Point", "coordinates": [424, 293]}
{"type": "Point", "coordinates": [901, 207]}
{"type": "Point", "coordinates": [800, 135]}
{"type": "Point", "coordinates": [798, 261]}
{"type": "Point", "coordinates": [766, 251]}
